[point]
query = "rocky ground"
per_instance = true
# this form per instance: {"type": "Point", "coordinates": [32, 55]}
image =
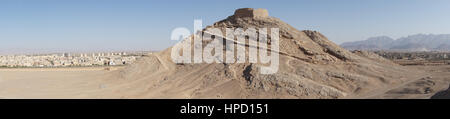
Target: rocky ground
{"type": "Point", "coordinates": [432, 85]}
{"type": "Point", "coordinates": [80, 83]}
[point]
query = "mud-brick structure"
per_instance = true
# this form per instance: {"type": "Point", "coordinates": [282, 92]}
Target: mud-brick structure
{"type": "Point", "coordinates": [250, 12]}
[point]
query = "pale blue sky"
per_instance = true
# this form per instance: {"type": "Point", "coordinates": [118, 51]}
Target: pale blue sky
{"type": "Point", "coordinates": [147, 24]}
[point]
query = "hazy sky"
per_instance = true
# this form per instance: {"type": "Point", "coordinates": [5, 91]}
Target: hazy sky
{"type": "Point", "coordinates": [147, 24]}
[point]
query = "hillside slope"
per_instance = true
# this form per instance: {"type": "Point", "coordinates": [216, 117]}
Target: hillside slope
{"type": "Point", "coordinates": [311, 66]}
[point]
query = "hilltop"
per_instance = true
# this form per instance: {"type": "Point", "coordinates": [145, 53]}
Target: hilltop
{"type": "Point", "coordinates": [311, 66]}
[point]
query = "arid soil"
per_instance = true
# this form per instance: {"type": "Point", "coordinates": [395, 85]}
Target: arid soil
{"type": "Point", "coordinates": [52, 82]}
{"type": "Point", "coordinates": [90, 83]}
{"type": "Point", "coordinates": [434, 84]}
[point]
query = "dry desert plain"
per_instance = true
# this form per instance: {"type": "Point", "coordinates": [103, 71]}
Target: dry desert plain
{"type": "Point", "coordinates": [77, 82]}
{"type": "Point", "coordinates": [94, 82]}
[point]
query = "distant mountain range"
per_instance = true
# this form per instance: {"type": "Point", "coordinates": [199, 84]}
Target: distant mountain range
{"type": "Point", "coordinates": [419, 42]}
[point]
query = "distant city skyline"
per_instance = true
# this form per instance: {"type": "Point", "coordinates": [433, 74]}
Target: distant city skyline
{"type": "Point", "coordinates": [114, 25]}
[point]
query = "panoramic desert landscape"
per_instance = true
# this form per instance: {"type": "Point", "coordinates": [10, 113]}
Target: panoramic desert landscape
{"type": "Point", "coordinates": [310, 66]}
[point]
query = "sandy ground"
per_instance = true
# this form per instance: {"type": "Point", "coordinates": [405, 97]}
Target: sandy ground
{"type": "Point", "coordinates": [431, 85]}
{"type": "Point", "coordinates": [89, 82]}
{"type": "Point", "coordinates": [52, 82]}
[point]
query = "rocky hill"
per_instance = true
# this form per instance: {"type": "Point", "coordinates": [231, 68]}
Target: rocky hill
{"type": "Point", "coordinates": [310, 66]}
